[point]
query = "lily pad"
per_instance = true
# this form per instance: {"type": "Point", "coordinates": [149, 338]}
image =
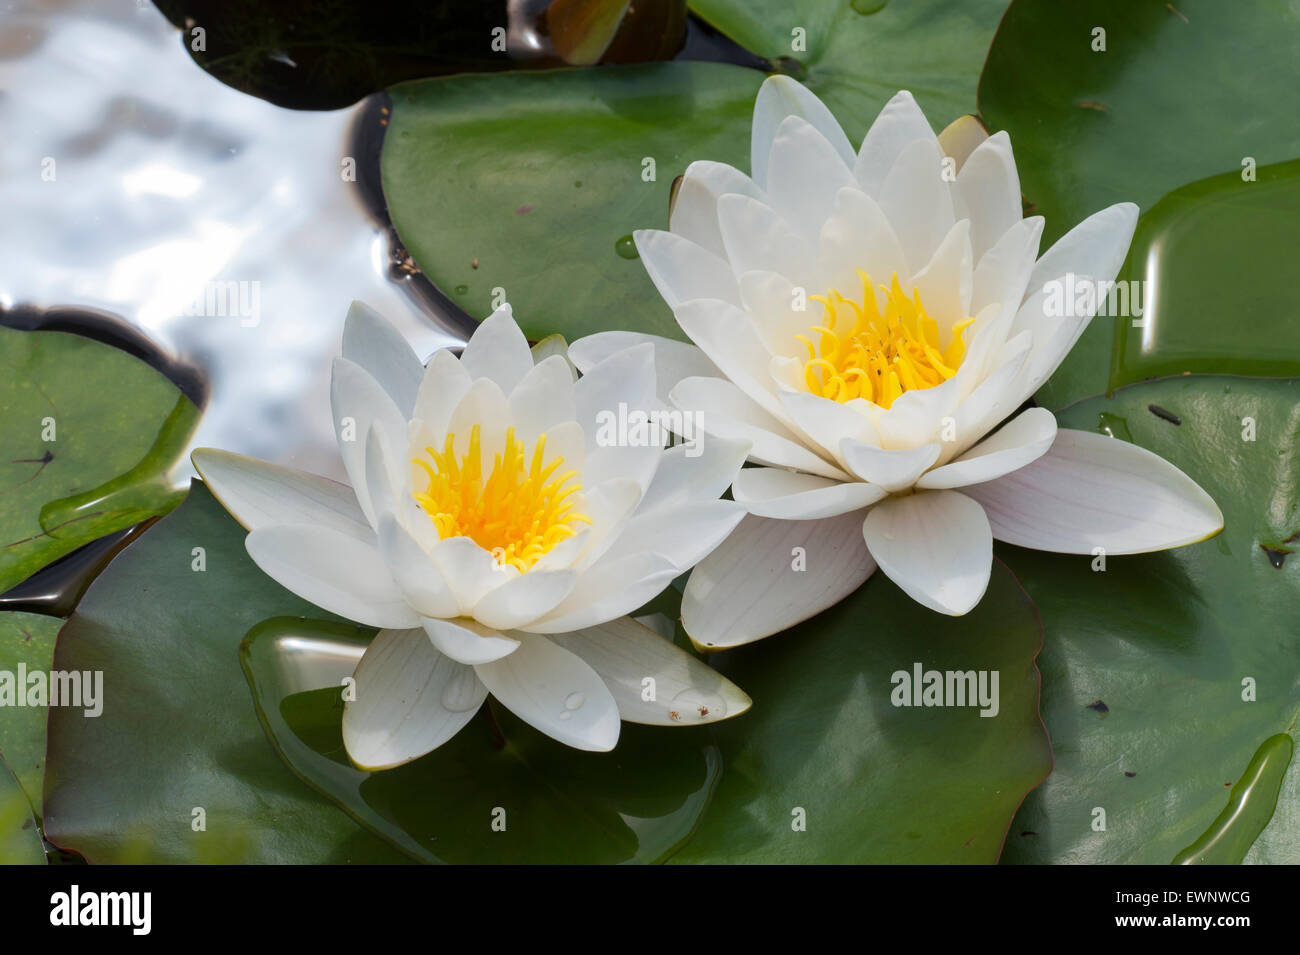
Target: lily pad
{"type": "Point", "coordinates": [522, 187]}
{"type": "Point", "coordinates": [527, 186]}
{"type": "Point", "coordinates": [498, 791]}
{"type": "Point", "coordinates": [1218, 257]}
{"type": "Point", "coordinates": [1093, 127]}
{"type": "Point", "coordinates": [178, 731]}
{"type": "Point", "coordinates": [1165, 674]}
{"type": "Point", "coordinates": [870, 781]}
{"type": "Point", "coordinates": [89, 435]}
{"type": "Point", "coordinates": [26, 639]}
{"type": "Point", "coordinates": [305, 55]}
{"type": "Point", "coordinates": [856, 54]}
{"type": "Point", "coordinates": [20, 839]}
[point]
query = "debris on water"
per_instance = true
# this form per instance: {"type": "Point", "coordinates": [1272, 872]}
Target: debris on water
{"type": "Point", "coordinates": [1164, 414]}
{"type": "Point", "coordinates": [1099, 707]}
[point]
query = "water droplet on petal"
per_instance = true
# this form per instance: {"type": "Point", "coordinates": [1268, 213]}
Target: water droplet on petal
{"type": "Point", "coordinates": [574, 701]}
{"type": "Point", "coordinates": [461, 692]}
{"type": "Point", "coordinates": [626, 248]}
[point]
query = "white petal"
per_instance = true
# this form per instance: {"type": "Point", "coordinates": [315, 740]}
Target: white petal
{"type": "Point", "coordinates": [728, 337]}
{"type": "Point", "coordinates": [372, 342]}
{"type": "Point", "coordinates": [727, 412]}
{"type": "Point", "coordinates": [260, 495]}
{"type": "Point", "coordinates": [673, 360]}
{"type": "Point", "coordinates": [554, 690]}
{"type": "Point", "coordinates": [401, 711]}
{"type": "Point", "coordinates": [916, 417]}
{"type": "Point", "coordinates": [899, 124]}
{"type": "Point", "coordinates": [443, 386]}
{"type": "Point", "coordinates": [607, 394]}
{"type": "Point", "coordinates": [413, 570]}
{"type": "Point", "coordinates": [989, 183]}
{"type": "Point", "coordinates": [682, 270]}
{"type": "Point", "coordinates": [688, 474]}
{"type": "Point", "coordinates": [468, 641]}
{"type": "Point", "coordinates": [359, 403]}
{"type": "Point", "coordinates": [498, 350]}
{"type": "Point", "coordinates": [752, 586]}
{"type": "Point", "coordinates": [484, 405]}
{"type": "Point", "coordinates": [946, 281]}
{"type": "Point", "coordinates": [1023, 439]}
{"type": "Point", "coordinates": [682, 535]}
{"type": "Point", "coordinates": [1091, 491]}
{"type": "Point", "coordinates": [790, 495]}
{"type": "Point", "coordinates": [334, 571]}
{"type": "Point", "coordinates": [779, 97]}
{"type": "Point", "coordinates": [827, 422]}
{"type": "Point", "coordinates": [610, 505]}
{"type": "Point", "coordinates": [1053, 335]}
{"type": "Point", "coordinates": [694, 214]}
{"type": "Point", "coordinates": [936, 545]}
{"type": "Point", "coordinates": [625, 653]}
{"type": "Point", "coordinates": [893, 470]}
{"type": "Point", "coordinates": [1096, 247]}
{"type": "Point", "coordinates": [469, 570]}
{"type": "Point", "coordinates": [917, 202]}
{"type": "Point", "coordinates": [609, 588]}
{"type": "Point", "coordinates": [757, 238]}
{"type": "Point", "coordinates": [804, 173]}
{"type": "Point", "coordinates": [1003, 271]}
{"type": "Point", "coordinates": [858, 236]}
{"type": "Point", "coordinates": [543, 399]}
{"type": "Point", "coordinates": [993, 400]}
{"type": "Point", "coordinates": [522, 600]}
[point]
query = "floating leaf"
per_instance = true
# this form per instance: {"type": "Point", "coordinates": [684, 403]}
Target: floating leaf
{"type": "Point", "coordinates": [553, 804]}
{"type": "Point", "coordinates": [178, 731]}
{"type": "Point", "coordinates": [1131, 122]}
{"type": "Point", "coordinates": [527, 182]}
{"type": "Point", "coordinates": [89, 435]}
{"type": "Point", "coordinates": [26, 640]}
{"type": "Point", "coordinates": [873, 782]}
{"type": "Point", "coordinates": [20, 839]}
{"type": "Point", "coordinates": [1194, 652]}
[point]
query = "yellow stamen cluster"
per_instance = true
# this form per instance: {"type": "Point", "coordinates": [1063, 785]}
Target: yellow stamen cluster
{"type": "Point", "coordinates": [878, 356]}
{"type": "Point", "coordinates": [518, 512]}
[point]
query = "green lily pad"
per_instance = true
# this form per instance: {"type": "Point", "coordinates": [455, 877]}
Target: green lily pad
{"type": "Point", "coordinates": [89, 435]}
{"type": "Point", "coordinates": [856, 54]}
{"type": "Point", "coordinates": [876, 782]}
{"type": "Point", "coordinates": [305, 55]}
{"type": "Point", "coordinates": [522, 187]}
{"type": "Point", "coordinates": [1132, 123]}
{"type": "Point", "coordinates": [1148, 667]}
{"type": "Point", "coordinates": [20, 839]}
{"type": "Point", "coordinates": [556, 804]}
{"type": "Point", "coordinates": [26, 639]}
{"type": "Point", "coordinates": [526, 187]}
{"type": "Point", "coordinates": [178, 731]}
{"type": "Point", "coordinates": [1219, 259]}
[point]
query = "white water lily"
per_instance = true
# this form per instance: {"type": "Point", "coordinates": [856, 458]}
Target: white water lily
{"type": "Point", "coordinates": [495, 539]}
{"type": "Point", "coordinates": [867, 319]}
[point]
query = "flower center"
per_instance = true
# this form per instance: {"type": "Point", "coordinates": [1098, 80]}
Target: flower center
{"type": "Point", "coordinates": [518, 512]}
{"type": "Point", "coordinates": [861, 353]}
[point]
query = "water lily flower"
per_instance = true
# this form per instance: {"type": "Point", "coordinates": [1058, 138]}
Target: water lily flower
{"type": "Point", "coordinates": [868, 319]}
{"type": "Point", "coordinates": [495, 540]}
